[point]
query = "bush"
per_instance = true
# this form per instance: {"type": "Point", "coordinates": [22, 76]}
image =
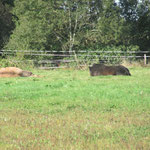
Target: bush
{"type": "Point", "coordinates": [11, 61]}
{"type": "Point", "coordinates": [109, 54]}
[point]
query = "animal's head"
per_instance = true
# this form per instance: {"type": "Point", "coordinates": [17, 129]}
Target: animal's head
{"type": "Point", "coordinates": [26, 74]}
{"type": "Point", "coordinates": [90, 68]}
{"type": "Point", "coordinates": [123, 70]}
{"type": "Point", "coordinates": [128, 74]}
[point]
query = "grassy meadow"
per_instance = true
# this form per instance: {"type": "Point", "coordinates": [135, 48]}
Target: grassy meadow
{"type": "Point", "coordinates": [69, 110]}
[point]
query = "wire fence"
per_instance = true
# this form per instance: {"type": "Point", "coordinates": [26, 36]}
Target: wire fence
{"type": "Point", "coordinates": [62, 59]}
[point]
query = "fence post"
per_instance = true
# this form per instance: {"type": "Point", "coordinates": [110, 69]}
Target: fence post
{"type": "Point", "coordinates": [145, 61]}
{"type": "Point", "coordinates": [76, 59]}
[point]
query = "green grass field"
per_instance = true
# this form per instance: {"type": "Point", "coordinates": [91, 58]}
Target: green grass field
{"type": "Point", "coordinates": [69, 110]}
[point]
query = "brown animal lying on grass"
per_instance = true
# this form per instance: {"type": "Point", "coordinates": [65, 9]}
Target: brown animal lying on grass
{"type": "Point", "coordinates": [15, 72]}
{"type": "Point", "coordinates": [101, 69]}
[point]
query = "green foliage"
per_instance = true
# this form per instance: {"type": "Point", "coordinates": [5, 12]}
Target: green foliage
{"type": "Point", "coordinates": [33, 25]}
{"type": "Point", "coordinates": [78, 25]}
{"type": "Point", "coordinates": [18, 61]}
{"type": "Point", "coordinates": [6, 24]}
{"type": "Point", "coordinates": [108, 54]}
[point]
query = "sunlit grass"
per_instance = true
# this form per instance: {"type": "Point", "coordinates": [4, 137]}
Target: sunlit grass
{"type": "Point", "coordinates": [68, 109]}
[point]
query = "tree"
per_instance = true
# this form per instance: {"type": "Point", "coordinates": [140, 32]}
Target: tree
{"type": "Point", "coordinates": [82, 16]}
{"type": "Point", "coordinates": [136, 14]}
{"type": "Point", "coordinates": [47, 24]}
{"type": "Point", "coordinates": [78, 24]}
{"type": "Point", "coordinates": [33, 25]}
{"type": "Point", "coordinates": [6, 23]}
{"type": "Point", "coordinates": [110, 29]}
{"type": "Point", "coordinates": [143, 26]}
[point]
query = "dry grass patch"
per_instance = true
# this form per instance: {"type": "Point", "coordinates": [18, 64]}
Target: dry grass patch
{"type": "Point", "coordinates": [139, 63]}
{"type": "Point", "coordinates": [77, 130]}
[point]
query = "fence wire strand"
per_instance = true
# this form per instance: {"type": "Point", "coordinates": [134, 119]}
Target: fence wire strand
{"type": "Point", "coordinates": [52, 58]}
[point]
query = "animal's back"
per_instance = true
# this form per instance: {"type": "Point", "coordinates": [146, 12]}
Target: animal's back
{"type": "Point", "coordinates": [10, 70]}
{"type": "Point", "coordinates": [14, 72]}
{"type": "Point", "coordinates": [101, 69]}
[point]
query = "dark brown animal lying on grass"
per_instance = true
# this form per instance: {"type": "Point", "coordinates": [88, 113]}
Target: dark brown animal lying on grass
{"type": "Point", "coordinates": [15, 72]}
{"type": "Point", "coordinates": [101, 69]}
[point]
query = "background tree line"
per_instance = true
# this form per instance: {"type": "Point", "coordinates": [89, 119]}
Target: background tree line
{"type": "Point", "coordinates": [75, 25]}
